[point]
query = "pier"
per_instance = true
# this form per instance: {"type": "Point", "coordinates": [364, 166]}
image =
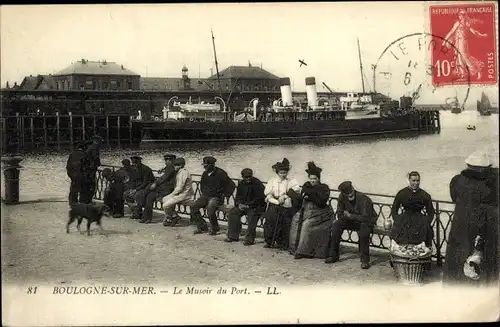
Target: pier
{"type": "Point", "coordinates": [28, 132]}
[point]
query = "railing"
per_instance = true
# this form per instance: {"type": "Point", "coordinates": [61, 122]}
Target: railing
{"type": "Point", "coordinates": [382, 204]}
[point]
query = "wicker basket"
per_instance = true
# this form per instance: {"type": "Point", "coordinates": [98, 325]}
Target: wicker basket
{"type": "Point", "coordinates": [410, 270]}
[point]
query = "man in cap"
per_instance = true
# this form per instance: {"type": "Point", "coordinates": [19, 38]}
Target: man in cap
{"type": "Point", "coordinates": [249, 201]}
{"type": "Point", "coordinates": [355, 212]}
{"type": "Point", "coordinates": [94, 159]}
{"type": "Point", "coordinates": [182, 193]}
{"type": "Point", "coordinates": [474, 228]}
{"type": "Point", "coordinates": [160, 188]}
{"type": "Point", "coordinates": [215, 184]}
{"type": "Point", "coordinates": [144, 178]}
{"type": "Point", "coordinates": [76, 168]}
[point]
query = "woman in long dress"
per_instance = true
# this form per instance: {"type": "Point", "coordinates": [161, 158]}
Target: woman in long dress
{"type": "Point", "coordinates": [312, 223]}
{"type": "Point", "coordinates": [412, 226]}
{"type": "Point", "coordinates": [465, 63]}
{"type": "Point", "coordinates": [280, 210]}
{"type": "Point", "coordinates": [475, 223]}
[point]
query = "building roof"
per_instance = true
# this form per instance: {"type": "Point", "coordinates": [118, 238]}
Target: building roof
{"type": "Point", "coordinates": [245, 72]}
{"type": "Point", "coordinates": [86, 67]}
{"type": "Point", "coordinates": [45, 82]}
{"type": "Point", "coordinates": [170, 83]}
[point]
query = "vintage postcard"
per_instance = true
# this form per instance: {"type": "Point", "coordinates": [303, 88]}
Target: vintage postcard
{"type": "Point", "coordinates": [266, 163]}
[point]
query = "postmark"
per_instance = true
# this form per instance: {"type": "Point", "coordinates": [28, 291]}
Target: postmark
{"type": "Point", "coordinates": [471, 29]}
{"type": "Point", "coordinates": [404, 68]}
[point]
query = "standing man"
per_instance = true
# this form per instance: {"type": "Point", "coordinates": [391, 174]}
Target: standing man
{"type": "Point", "coordinates": [144, 178]}
{"type": "Point", "coordinates": [76, 168]}
{"type": "Point", "coordinates": [182, 194]}
{"type": "Point", "coordinates": [215, 185]}
{"type": "Point", "coordinates": [249, 201]}
{"type": "Point", "coordinates": [94, 161]}
{"type": "Point", "coordinates": [160, 188]}
{"type": "Point", "coordinates": [355, 212]}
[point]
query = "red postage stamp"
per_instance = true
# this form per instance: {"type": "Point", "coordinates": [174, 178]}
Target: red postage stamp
{"type": "Point", "coordinates": [465, 49]}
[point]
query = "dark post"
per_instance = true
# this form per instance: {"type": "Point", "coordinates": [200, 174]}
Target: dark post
{"type": "Point", "coordinates": [439, 256]}
{"type": "Point", "coordinates": [83, 127]}
{"type": "Point", "coordinates": [58, 127]}
{"type": "Point", "coordinates": [11, 176]}
{"type": "Point", "coordinates": [107, 130]}
{"type": "Point", "coordinates": [71, 129]}
{"type": "Point", "coordinates": [45, 135]}
{"type": "Point", "coordinates": [130, 128]}
{"type": "Point", "coordinates": [32, 128]}
{"type": "Point", "coordinates": [118, 129]}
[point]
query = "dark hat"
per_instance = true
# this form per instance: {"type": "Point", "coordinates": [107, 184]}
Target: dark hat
{"type": "Point", "coordinates": [179, 162]}
{"type": "Point", "coordinates": [169, 156]}
{"type": "Point", "coordinates": [136, 158]}
{"type": "Point", "coordinates": [209, 160]}
{"type": "Point", "coordinates": [106, 172]}
{"type": "Point", "coordinates": [346, 187]}
{"type": "Point", "coordinates": [81, 144]}
{"type": "Point", "coordinates": [283, 165]}
{"type": "Point", "coordinates": [246, 172]}
{"type": "Point", "coordinates": [126, 162]}
{"type": "Point", "coordinates": [312, 169]}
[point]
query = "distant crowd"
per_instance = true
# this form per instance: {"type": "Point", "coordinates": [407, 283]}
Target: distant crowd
{"type": "Point", "coordinates": [299, 218]}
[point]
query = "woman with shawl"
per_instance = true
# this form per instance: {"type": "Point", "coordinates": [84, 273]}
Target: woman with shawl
{"type": "Point", "coordinates": [311, 224]}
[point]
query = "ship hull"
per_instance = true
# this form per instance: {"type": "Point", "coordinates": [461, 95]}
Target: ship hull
{"type": "Point", "coordinates": [244, 132]}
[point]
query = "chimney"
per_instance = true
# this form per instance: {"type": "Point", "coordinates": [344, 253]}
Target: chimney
{"type": "Point", "coordinates": [122, 67]}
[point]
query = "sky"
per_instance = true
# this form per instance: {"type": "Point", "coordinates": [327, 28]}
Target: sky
{"type": "Point", "coordinates": [157, 40]}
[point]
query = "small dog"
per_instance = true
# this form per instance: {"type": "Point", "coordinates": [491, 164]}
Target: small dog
{"type": "Point", "coordinates": [91, 212]}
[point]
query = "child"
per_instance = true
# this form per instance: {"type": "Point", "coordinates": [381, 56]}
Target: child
{"type": "Point", "coordinates": [113, 195]}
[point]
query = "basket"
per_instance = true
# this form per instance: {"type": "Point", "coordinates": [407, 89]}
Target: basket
{"type": "Point", "coordinates": [410, 270]}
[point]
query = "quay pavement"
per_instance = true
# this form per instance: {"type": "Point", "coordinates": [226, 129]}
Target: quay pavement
{"type": "Point", "coordinates": [36, 248]}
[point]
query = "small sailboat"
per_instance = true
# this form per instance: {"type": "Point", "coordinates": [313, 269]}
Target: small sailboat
{"type": "Point", "coordinates": [484, 106]}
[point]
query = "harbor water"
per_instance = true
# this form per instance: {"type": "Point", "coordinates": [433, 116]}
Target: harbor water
{"type": "Point", "coordinates": [374, 166]}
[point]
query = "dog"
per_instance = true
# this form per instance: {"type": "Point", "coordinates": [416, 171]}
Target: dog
{"type": "Point", "coordinates": [91, 212]}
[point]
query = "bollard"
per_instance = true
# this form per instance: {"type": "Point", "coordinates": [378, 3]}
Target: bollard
{"type": "Point", "coordinates": [11, 171]}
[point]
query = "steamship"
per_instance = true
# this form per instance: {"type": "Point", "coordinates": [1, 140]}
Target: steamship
{"type": "Point", "coordinates": [284, 120]}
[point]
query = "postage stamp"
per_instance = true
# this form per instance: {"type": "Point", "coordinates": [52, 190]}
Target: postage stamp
{"type": "Point", "coordinates": [466, 50]}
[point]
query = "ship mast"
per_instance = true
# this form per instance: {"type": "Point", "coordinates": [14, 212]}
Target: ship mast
{"type": "Point", "coordinates": [361, 68]}
{"type": "Point", "coordinates": [216, 64]}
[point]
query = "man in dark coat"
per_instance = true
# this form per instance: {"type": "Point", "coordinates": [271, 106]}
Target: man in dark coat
{"type": "Point", "coordinates": [130, 178]}
{"type": "Point", "coordinates": [90, 181]}
{"type": "Point", "coordinates": [474, 227]}
{"type": "Point", "coordinates": [249, 201]}
{"type": "Point", "coordinates": [144, 178]}
{"type": "Point", "coordinates": [76, 168]}
{"type": "Point", "coordinates": [113, 194]}
{"type": "Point", "coordinates": [215, 184]}
{"type": "Point", "coordinates": [160, 188]}
{"type": "Point", "coordinates": [355, 212]}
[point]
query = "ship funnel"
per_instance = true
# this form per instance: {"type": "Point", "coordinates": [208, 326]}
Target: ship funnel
{"type": "Point", "coordinates": [312, 95]}
{"type": "Point", "coordinates": [286, 92]}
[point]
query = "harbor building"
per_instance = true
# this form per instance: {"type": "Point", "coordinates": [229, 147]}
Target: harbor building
{"type": "Point", "coordinates": [233, 78]}
{"type": "Point", "coordinates": [86, 75]}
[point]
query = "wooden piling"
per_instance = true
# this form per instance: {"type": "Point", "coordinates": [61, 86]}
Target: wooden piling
{"type": "Point", "coordinates": [58, 128]}
{"type": "Point", "coordinates": [18, 131]}
{"type": "Point", "coordinates": [130, 129]}
{"type": "Point", "coordinates": [32, 129]}
{"type": "Point", "coordinates": [4, 135]}
{"type": "Point", "coordinates": [45, 135]}
{"type": "Point", "coordinates": [95, 124]}
{"type": "Point", "coordinates": [107, 130]}
{"type": "Point", "coordinates": [83, 128]}
{"type": "Point", "coordinates": [71, 129]}
{"type": "Point", "coordinates": [118, 129]}
{"type": "Point", "coordinates": [438, 120]}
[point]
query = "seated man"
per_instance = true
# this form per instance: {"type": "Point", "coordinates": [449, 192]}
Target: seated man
{"type": "Point", "coordinates": [113, 195]}
{"type": "Point", "coordinates": [215, 184]}
{"type": "Point", "coordinates": [144, 178]}
{"type": "Point", "coordinates": [249, 201]}
{"type": "Point", "coordinates": [182, 194]}
{"type": "Point", "coordinates": [130, 178]}
{"type": "Point", "coordinates": [355, 212]}
{"type": "Point", "coordinates": [159, 188]}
